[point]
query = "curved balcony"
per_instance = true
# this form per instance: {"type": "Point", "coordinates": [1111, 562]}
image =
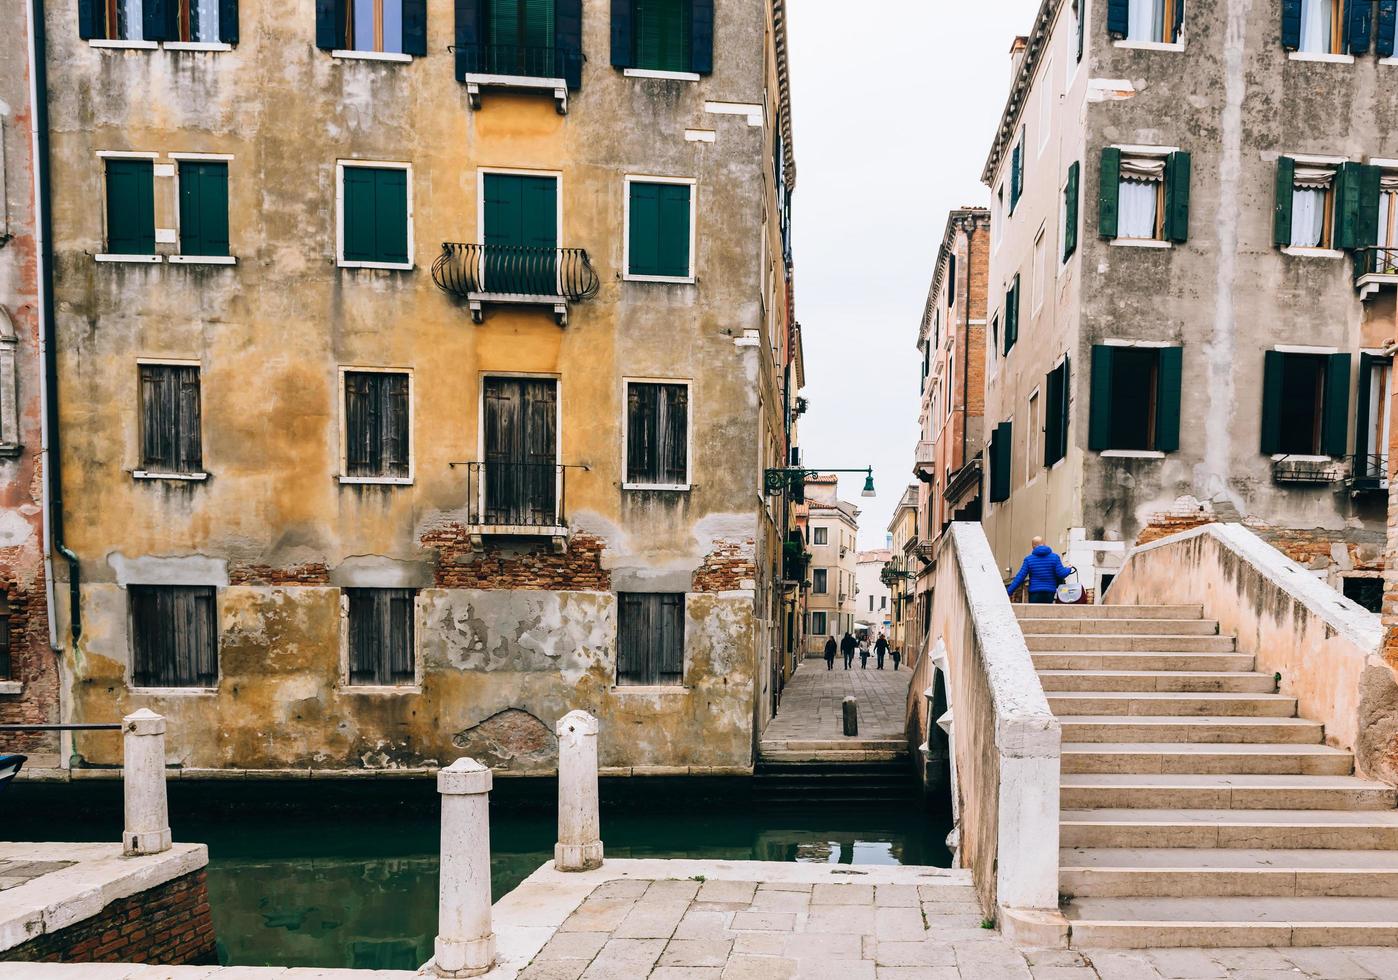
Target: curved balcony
{"type": "Point", "coordinates": [515, 274]}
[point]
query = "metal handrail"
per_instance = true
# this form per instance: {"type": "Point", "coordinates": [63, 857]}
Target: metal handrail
{"type": "Point", "coordinates": [1375, 260]}
{"type": "Point", "coordinates": [112, 726]}
{"type": "Point", "coordinates": [505, 493]}
{"type": "Point", "coordinates": [524, 270]}
{"type": "Point", "coordinates": [1289, 470]}
{"type": "Point", "coordinates": [1367, 471]}
{"type": "Point", "coordinates": [521, 60]}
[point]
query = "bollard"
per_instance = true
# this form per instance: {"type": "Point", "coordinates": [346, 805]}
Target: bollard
{"type": "Point", "coordinates": [851, 712]}
{"type": "Point", "coordinates": [143, 784]}
{"type": "Point", "coordinates": [579, 846]}
{"type": "Point", "coordinates": [465, 945]}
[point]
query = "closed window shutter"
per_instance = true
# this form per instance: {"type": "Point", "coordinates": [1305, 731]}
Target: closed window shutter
{"type": "Point", "coordinates": [330, 24]}
{"type": "Point", "coordinates": [1178, 26]}
{"type": "Point", "coordinates": [1065, 395]}
{"type": "Point", "coordinates": [468, 37]}
{"type": "Point", "coordinates": [1052, 421]}
{"type": "Point", "coordinates": [360, 235]}
{"type": "Point", "coordinates": [1118, 18]}
{"type": "Point", "coordinates": [361, 456]}
{"type": "Point", "coordinates": [415, 27]}
{"type": "Point", "coordinates": [396, 415]}
{"type": "Point", "coordinates": [1080, 8]}
{"type": "Point", "coordinates": [228, 21]}
{"type": "Point", "coordinates": [1012, 314]}
{"type": "Point", "coordinates": [391, 214]}
{"type": "Point", "coordinates": [1017, 171]}
{"type": "Point", "coordinates": [1070, 212]}
{"type": "Point", "coordinates": [400, 636]}
{"type": "Point", "coordinates": [701, 58]}
{"type": "Point", "coordinates": [1347, 187]}
{"type": "Point", "coordinates": [1366, 228]}
{"type": "Point", "coordinates": [130, 207]}
{"type": "Point", "coordinates": [203, 208]}
{"type": "Point", "coordinates": [1000, 463]}
{"type": "Point", "coordinates": [673, 257]}
{"type": "Point", "coordinates": [1108, 189]}
{"type": "Point", "coordinates": [632, 633]}
{"type": "Point", "coordinates": [1272, 363]}
{"type": "Point", "coordinates": [1099, 425]}
{"type": "Point", "coordinates": [91, 20]}
{"type": "Point", "coordinates": [568, 35]}
{"type": "Point", "coordinates": [1281, 210]}
{"type": "Point", "coordinates": [674, 428]}
{"type": "Point", "coordinates": [623, 34]}
{"type": "Point", "coordinates": [1361, 415]}
{"type": "Point", "coordinates": [640, 433]}
{"type": "Point", "coordinates": [1335, 418]}
{"type": "Point", "coordinates": [1291, 24]}
{"type": "Point", "coordinates": [644, 230]}
{"type": "Point", "coordinates": [159, 20]}
{"type": "Point", "coordinates": [1177, 197]}
{"type": "Point", "coordinates": [174, 636]}
{"type": "Point", "coordinates": [189, 448]}
{"type": "Point", "coordinates": [1359, 18]}
{"type": "Point", "coordinates": [1167, 404]}
{"type": "Point", "coordinates": [1388, 18]}
{"type": "Point", "coordinates": [663, 32]}
{"type": "Point", "coordinates": [157, 418]}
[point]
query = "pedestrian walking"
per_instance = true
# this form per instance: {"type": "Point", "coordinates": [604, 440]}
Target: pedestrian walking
{"type": "Point", "coordinates": [830, 653]}
{"type": "Point", "coordinates": [1044, 570]}
{"type": "Point", "coordinates": [864, 655]}
{"type": "Point", "coordinates": [881, 648]}
{"type": "Point", "coordinates": [897, 656]}
{"type": "Point", "coordinates": [847, 647]}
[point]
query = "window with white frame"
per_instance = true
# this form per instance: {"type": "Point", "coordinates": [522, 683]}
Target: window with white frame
{"type": "Point", "coordinates": [1153, 20]}
{"type": "Point", "coordinates": [1322, 27]}
{"type": "Point", "coordinates": [376, 218]}
{"type": "Point", "coordinates": [1034, 436]}
{"type": "Point", "coordinates": [375, 25]}
{"type": "Point", "coordinates": [820, 581]}
{"type": "Point", "coordinates": [377, 425]}
{"type": "Point", "coordinates": [820, 535]}
{"type": "Point", "coordinates": [1141, 197]}
{"type": "Point", "coordinates": [819, 623]}
{"type": "Point", "coordinates": [657, 434]}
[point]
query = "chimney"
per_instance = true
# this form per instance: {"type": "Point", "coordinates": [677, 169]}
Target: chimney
{"type": "Point", "coordinates": [1017, 49]}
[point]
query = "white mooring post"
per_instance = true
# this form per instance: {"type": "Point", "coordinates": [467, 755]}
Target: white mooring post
{"type": "Point", "coordinates": [465, 944]}
{"type": "Point", "coordinates": [143, 782]}
{"type": "Point", "coordinates": [579, 846]}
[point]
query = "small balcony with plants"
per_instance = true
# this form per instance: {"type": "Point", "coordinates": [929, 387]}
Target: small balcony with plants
{"type": "Point", "coordinates": [1375, 267]}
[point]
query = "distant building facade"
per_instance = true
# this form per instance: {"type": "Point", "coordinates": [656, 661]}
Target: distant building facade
{"type": "Point", "coordinates": [833, 527]}
{"type": "Point", "coordinates": [873, 609]}
{"type": "Point", "coordinates": [1191, 283]}
{"type": "Point", "coordinates": [904, 564]}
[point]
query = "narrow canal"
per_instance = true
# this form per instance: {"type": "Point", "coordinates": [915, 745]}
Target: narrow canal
{"type": "Point", "coordinates": [345, 873]}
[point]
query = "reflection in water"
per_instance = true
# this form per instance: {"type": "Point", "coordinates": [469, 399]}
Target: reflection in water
{"type": "Point", "coordinates": [356, 884]}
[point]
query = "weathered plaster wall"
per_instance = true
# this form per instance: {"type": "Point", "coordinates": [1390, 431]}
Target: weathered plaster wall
{"type": "Point", "coordinates": [1327, 649]}
{"type": "Point", "coordinates": [271, 332]}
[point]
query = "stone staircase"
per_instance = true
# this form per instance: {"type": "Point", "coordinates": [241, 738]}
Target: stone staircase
{"type": "Point", "coordinates": [1197, 808]}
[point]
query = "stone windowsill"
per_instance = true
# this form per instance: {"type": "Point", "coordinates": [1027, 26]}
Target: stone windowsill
{"type": "Point", "coordinates": [1149, 45]}
{"type": "Point", "coordinates": [1141, 243]}
{"type": "Point", "coordinates": [678, 487]}
{"type": "Point", "coordinates": [1334, 59]}
{"type": "Point", "coordinates": [1301, 458]}
{"type": "Point", "coordinates": [102, 42]}
{"type": "Point", "coordinates": [202, 259]}
{"type": "Point", "coordinates": [174, 692]}
{"type": "Point", "coordinates": [11, 687]}
{"type": "Point", "coordinates": [197, 46]}
{"type": "Point", "coordinates": [387, 481]}
{"type": "Point", "coordinates": [674, 76]}
{"type": "Point", "coordinates": [123, 257]}
{"type": "Point", "coordinates": [1131, 454]}
{"type": "Point", "coordinates": [9, 450]}
{"type": "Point", "coordinates": [1312, 253]}
{"type": "Point", "coordinates": [398, 266]}
{"type": "Point", "coordinates": [650, 690]}
{"type": "Point", "coordinates": [199, 477]}
{"type": "Point", "coordinates": [391, 690]}
{"type": "Point", "coordinates": [392, 56]}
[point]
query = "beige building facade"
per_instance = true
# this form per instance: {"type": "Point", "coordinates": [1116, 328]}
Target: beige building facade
{"type": "Point", "coordinates": [346, 497]}
{"type": "Point", "coordinates": [833, 528]}
{"type": "Point", "coordinates": [903, 566]}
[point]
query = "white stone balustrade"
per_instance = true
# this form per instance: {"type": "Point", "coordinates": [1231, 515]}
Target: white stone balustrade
{"type": "Point", "coordinates": [147, 829]}
{"type": "Point", "coordinates": [579, 846]}
{"type": "Point", "coordinates": [465, 945]}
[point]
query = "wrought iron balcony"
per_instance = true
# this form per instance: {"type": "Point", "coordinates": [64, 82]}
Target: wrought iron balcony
{"type": "Point", "coordinates": [1374, 266]}
{"type": "Point", "coordinates": [1307, 469]}
{"type": "Point", "coordinates": [520, 67]}
{"type": "Point", "coordinates": [520, 274]}
{"type": "Point", "coordinates": [514, 499]}
{"type": "Point", "coordinates": [1368, 474]}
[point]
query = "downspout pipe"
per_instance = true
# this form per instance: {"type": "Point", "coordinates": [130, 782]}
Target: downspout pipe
{"type": "Point", "coordinates": [966, 343]}
{"type": "Point", "coordinates": [51, 453]}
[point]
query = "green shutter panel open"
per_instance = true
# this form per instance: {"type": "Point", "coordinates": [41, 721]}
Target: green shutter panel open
{"type": "Point", "coordinates": [391, 215]}
{"type": "Point", "coordinates": [674, 230]}
{"type": "Point", "coordinates": [643, 231]}
{"type": "Point", "coordinates": [1070, 211]}
{"type": "Point", "coordinates": [701, 59]}
{"type": "Point", "coordinates": [130, 207]}
{"type": "Point", "coordinates": [1167, 402]}
{"type": "Point", "coordinates": [330, 24]}
{"type": "Point", "coordinates": [1177, 197]}
{"type": "Point", "coordinates": [1108, 189]}
{"type": "Point", "coordinates": [1099, 424]}
{"type": "Point", "coordinates": [1366, 227]}
{"type": "Point", "coordinates": [1335, 419]}
{"type": "Point", "coordinates": [1346, 205]}
{"type": "Point", "coordinates": [1000, 462]}
{"type": "Point", "coordinates": [1272, 363]}
{"type": "Point", "coordinates": [1291, 24]}
{"type": "Point", "coordinates": [91, 19]}
{"type": "Point", "coordinates": [1118, 18]}
{"type": "Point", "coordinates": [1281, 210]}
{"type": "Point", "coordinates": [568, 36]}
{"type": "Point", "coordinates": [1361, 413]}
{"type": "Point", "coordinates": [415, 27]}
{"type": "Point", "coordinates": [623, 34]}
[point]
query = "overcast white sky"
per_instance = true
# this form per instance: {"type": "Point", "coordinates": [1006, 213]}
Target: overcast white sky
{"type": "Point", "coordinates": [891, 129]}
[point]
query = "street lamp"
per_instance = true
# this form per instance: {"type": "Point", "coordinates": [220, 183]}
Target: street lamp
{"type": "Point", "coordinates": [778, 478]}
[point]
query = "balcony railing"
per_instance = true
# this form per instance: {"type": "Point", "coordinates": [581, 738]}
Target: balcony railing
{"type": "Point", "coordinates": [925, 460]}
{"type": "Point", "coordinates": [525, 274]}
{"type": "Point", "coordinates": [1305, 469]}
{"type": "Point", "coordinates": [510, 498]}
{"type": "Point", "coordinates": [517, 66]}
{"type": "Point", "coordinates": [1368, 473]}
{"type": "Point", "coordinates": [1374, 265]}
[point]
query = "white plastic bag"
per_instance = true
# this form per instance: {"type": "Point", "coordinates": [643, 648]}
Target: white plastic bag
{"type": "Point", "coordinates": [1070, 591]}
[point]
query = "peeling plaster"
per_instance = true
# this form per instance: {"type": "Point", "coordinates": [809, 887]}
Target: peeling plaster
{"type": "Point", "coordinates": [183, 570]}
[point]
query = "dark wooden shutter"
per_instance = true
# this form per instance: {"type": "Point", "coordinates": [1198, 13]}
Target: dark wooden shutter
{"type": "Point", "coordinates": [1285, 185]}
{"type": "Point", "coordinates": [1366, 228]}
{"type": "Point", "coordinates": [1335, 418]}
{"type": "Point", "coordinates": [1012, 314]}
{"type": "Point", "coordinates": [1017, 171]}
{"type": "Point", "coordinates": [1082, 25]}
{"type": "Point", "coordinates": [632, 661]}
{"type": "Point", "coordinates": [1000, 462]}
{"type": "Point", "coordinates": [92, 20]}
{"type": "Point", "coordinates": [672, 426]}
{"type": "Point", "coordinates": [415, 27]}
{"type": "Point", "coordinates": [376, 424]}
{"type": "Point", "coordinates": [1388, 17]}
{"type": "Point", "coordinates": [1065, 405]}
{"type": "Point", "coordinates": [396, 413]}
{"type": "Point", "coordinates": [1347, 188]}
{"type": "Point", "coordinates": [1273, 363]}
{"type": "Point", "coordinates": [330, 24]}
{"type": "Point", "coordinates": [130, 207]}
{"type": "Point", "coordinates": [1099, 424]}
{"type": "Point", "coordinates": [158, 418]}
{"type": "Point", "coordinates": [1291, 24]}
{"type": "Point", "coordinates": [1070, 211]}
{"type": "Point", "coordinates": [174, 640]}
{"type": "Point", "coordinates": [361, 455]}
{"type": "Point", "coordinates": [1177, 196]}
{"type": "Point", "coordinates": [669, 637]}
{"type": "Point", "coordinates": [1361, 416]}
{"type": "Point", "coordinates": [568, 37]}
{"type": "Point", "coordinates": [623, 37]}
{"type": "Point", "coordinates": [468, 37]}
{"type": "Point", "coordinates": [160, 20]}
{"type": "Point", "coordinates": [1108, 190]}
{"type": "Point", "coordinates": [189, 451]}
{"type": "Point", "coordinates": [1359, 19]}
{"type": "Point", "coordinates": [701, 37]}
{"type": "Point", "coordinates": [1167, 400]}
{"type": "Point", "coordinates": [1119, 17]}
{"type": "Point", "coordinates": [228, 21]}
{"type": "Point", "coordinates": [203, 208]}
{"type": "Point", "coordinates": [1053, 420]}
{"type": "Point", "coordinates": [399, 667]}
{"type": "Point", "coordinates": [640, 432]}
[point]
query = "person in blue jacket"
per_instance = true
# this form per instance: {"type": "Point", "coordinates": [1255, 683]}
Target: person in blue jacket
{"type": "Point", "coordinates": [1044, 569]}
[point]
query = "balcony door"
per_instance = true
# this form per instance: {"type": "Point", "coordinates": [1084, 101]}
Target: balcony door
{"type": "Point", "coordinates": [520, 39]}
{"type": "Point", "coordinates": [521, 234]}
{"type": "Point", "coordinates": [521, 451]}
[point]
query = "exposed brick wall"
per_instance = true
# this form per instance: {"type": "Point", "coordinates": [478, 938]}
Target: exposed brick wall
{"type": "Point", "coordinates": [726, 567]}
{"type": "Point", "coordinates": [169, 924]}
{"type": "Point", "coordinates": [1311, 547]}
{"type": "Point", "coordinates": [531, 566]}
{"type": "Point", "coordinates": [32, 660]}
{"type": "Point", "coordinates": [249, 573]}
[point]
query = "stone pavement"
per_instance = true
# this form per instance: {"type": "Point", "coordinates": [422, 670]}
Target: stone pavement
{"type": "Point", "coordinates": [810, 704]}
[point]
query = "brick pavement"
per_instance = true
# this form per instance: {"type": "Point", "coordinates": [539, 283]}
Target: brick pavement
{"type": "Point", "coordinates": [810, 704]}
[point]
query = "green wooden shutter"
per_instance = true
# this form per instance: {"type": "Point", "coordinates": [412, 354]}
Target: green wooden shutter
{"type": "Point", "coordinates": [1012, 314]}
{"type": "Point", "coordinates": [504, 209]}
{"type": "Point", "coordinates": [1346, 204]}
{"type": "Point", "coordinates": [1000, 462]}
{"type": "Point", "coordinates": [1070, 212]}
{"type": "Point", "coordinates": [1335, 418]}
{"type": "Point", "coordinates": [568, 38]}
{"type": "Point", "coordinates": [1291, 24]}
{"type": "Point", "coordinates": [358, 230]}
{"type": "Point", "coordinates": [1053, 416]}
{"type": "Point", "coordinates": [1167, 401]}
{"type": "Point", "coordinates": [623, 34]}
{"type": "Point", "coordinates": [130, 207]}
{"type": "Point", "coordinates": [1177, 197]}
{"type": "Point", "coordinates": [1366, 229]}
{"type": "Point", "coordinates": [1099, 427]}
{"type": "Point", "coordinates": [1108, 190]}
{"type": "Point", "coordinates": [643, 231]}
{"type": "Point", "coordinates": [1361, 414]}
{"type": "Point", "coordinates": [414, 25]}
{"type": "Point", "coordinates": [663, 30]}
{"type": "Point", "coordinates": [203, 208]}
{"type": "Point", "coordinates": [674, 230]}
{"type": "Point", "coordinates": [391, 215]}
{"type": "Point", "coordinates": [701, 37]}
{"type": "Point", "coordinates": [1118, 18]}
{"type": "Point", "coordinates": [1273, 363]}
{"type": "Point", "coordinates": [1281, 210]}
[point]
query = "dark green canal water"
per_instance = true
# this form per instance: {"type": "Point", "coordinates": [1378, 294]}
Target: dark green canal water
{"type": "Point", "coordinates": [345, 874]}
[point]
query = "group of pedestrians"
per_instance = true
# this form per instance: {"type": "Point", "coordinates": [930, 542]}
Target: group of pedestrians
{"type": "Point", "coordinates": [849, 646]}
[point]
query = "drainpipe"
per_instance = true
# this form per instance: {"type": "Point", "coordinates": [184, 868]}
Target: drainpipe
{"type": "Point", "coordinates": [50, 453]}
{"type": "Point", "coordinates": [966, 343]}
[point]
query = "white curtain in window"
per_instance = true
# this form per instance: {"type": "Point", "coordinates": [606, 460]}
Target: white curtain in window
{"type": "Point", "coordinates": [1307, 216]}
{"type": "Point", "coordinates": [205, 21]}
{"type": "Point", "coordinates": [1315, 25]}
{"type": "Point", "coordinates": [1146, 20]}
{"type": "Point", "coordinates": [130, 23]}
{"type": "Point", "coordinates": [1136, 208]}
